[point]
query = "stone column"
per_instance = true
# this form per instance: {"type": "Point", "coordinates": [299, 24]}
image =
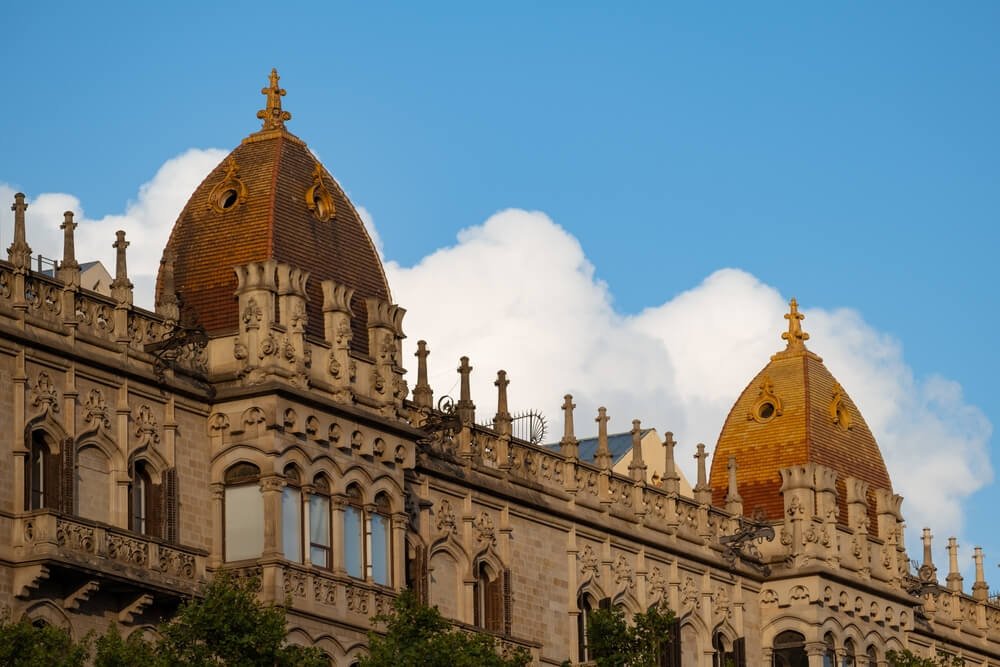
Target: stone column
{"type": "Point", "coordinates": [217, 554]}
{"type": "Point", "coordinates": [398, 551]}
{"type": "Point", "coordinates": [337, 504]}
{"type": "Point", "coordinates": [980, 590]}
{"type": "Point", "coordinates": [954, 579]}
{"type": "Point", "coordinates": [337, 331]}
{"type": "Point", "coordinates": [270, 488]}
{"type": "Point", "coordinates": [307, 491]}
{"type": "Point", "coordinates": [423, 395]}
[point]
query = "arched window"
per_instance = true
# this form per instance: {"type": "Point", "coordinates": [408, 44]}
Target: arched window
{"type": "Point", "coordinates": [381, 552]}
{"type": "Point", "coordinates": [41, 475]}
{"type": "Point", "coordinates": [291, 515]}
{"type": "Point", "coordinates": [319, 523]}
{"type": "Point", "coordinates": [144, 514]}
{"type": "Point", "coordinates": [722, 656]}
{"type": "Point", "coordinates": [872, 655]}
{"type": "Point", "coordinates": [244, 512]}
{"type": "Point", "coordinates": [789, 650]}
{"type": "Point", "coordinates": [354, 533]}
{"type": "Point", "coordinates": [849, 656]}
{"type": "Point", "coordinates": [830, 652]}
{"type": "Point", "coordinates": [488, 593]}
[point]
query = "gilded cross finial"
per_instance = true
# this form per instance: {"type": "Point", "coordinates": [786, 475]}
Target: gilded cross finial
{"type": "Point", "coordinates": [795, 336]}
{"type": "Point", "coordinates": [273, 116]}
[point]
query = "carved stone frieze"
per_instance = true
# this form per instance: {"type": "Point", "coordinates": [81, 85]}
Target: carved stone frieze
{"type": "Point", "coordinates": [146, 432]}
{"type": "Point", "coordinates": [484, 530]}
{"type": "Point", "coordinates": [294, 582]}
{"type": "Point", "coordinates": [589, 562]}
{"type": "Point", "coordinates": [445, 518]}
{"type": "Point", "coordinates": [75, 536]}
{"type": "Point", "coordinates": [324, 590]}
{"type": "Point", "coordinates": [177, 563]}
{"type": "Point", "coordinates": [127, 549]}
{"type": "Point", "coordinates": [95, 410]}
{"type": "Point", "coordinates": [623, 573]}
{"type": "Point", "coordinates": [43, 394]}
{"type": "Point", "coordinates": [357, 599]}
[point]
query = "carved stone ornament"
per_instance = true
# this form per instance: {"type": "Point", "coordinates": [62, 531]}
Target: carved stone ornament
{"type": "Point", "coordinates": [218, 422]}
{"type": "Point", "coordinates": [252, 314]}
{"type": "Point", "coordinates": [656, 584]}
{"type": "Point", "coordinates": [294, 583]}
{"type": "Point", "coordinates": [589, 562]}
{"type": "Point", "coordinates": [767, 406]}
{"type": "Point", "coordinates": [44, 394]}
{"type": "Point", "coordinates": [838, 409]}
{"type": "Point", "coordinates": [357, 599]}
{"type": "Point", "coordinates": [689, 594]}
{"type": "Point", "coordinates": [484, 530]}
{"type": "Point", "coordinates": [145, 427]}
{"type": "Point", "coordinates": [446, 518]}
{"type": "Point", "coordinates": [240, 351]}
{"type": "Point", "coordinates": [318, 197]}
{"type": "Point", "coordinates": [268, 346]}
{"type": "Point", "coordinates": [624, 577]}
{"type": "Point", "coordinates": [95, 410]}
{"type": "Point", "coordinates": [324, 591]}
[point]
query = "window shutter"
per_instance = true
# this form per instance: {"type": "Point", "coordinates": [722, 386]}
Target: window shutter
{"type": "Point", "coordinates": [740, 652]}
{"type": "Point", "coordinates": [494, 605]}
{"type": "Point", "coordinates": [154, 508]}
{"type": "Point", "coordinates": [53, 480]}
{"type": "Point", "coordinates": [604, 603]}
{"type": "Point", "coordinates": [169, 504]}
{"type": "Point", "coordinates": [68, 474]}
{"type": "Point", "coordinates": [419, 575]}
{"type": "Point", "coordinates": [508, 606]}
{"type": "Point", "coordinates": [27, 481]}
{"type": "Point", "coordinates": [675, 644]}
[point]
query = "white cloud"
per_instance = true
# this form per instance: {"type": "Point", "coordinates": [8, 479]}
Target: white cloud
{"type": "Point", "coordinates": [518, 293]}
{"type": "Point", "coordinates": [147, 220]}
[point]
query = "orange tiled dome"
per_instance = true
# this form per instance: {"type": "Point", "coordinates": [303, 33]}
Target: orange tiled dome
{"type": "Point", "coordinates": [272, 199]}
{"type": "Point", "coordinates": [794, 412]}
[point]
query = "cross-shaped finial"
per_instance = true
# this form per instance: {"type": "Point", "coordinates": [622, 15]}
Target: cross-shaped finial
{"type": "Point", "coordinates": [795, 337]}
{"type": "Point", "coordinates": [701, 456]}
{"type": "Point", "coordinates": [273, 116]}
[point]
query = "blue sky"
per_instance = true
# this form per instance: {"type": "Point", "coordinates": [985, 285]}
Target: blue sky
{"type": "Point", "coordinates": [843, 154]}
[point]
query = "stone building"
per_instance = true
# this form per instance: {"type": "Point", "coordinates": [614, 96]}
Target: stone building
{"type": "Point", "coordinates": [261, 420]}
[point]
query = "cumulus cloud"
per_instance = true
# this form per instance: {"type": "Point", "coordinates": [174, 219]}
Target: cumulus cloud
{"type": "Point", "coordinates": [518, 293]}
{"type": "Point", "coordinates": [147, 220]}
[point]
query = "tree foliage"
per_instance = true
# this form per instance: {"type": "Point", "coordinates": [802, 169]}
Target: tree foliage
{"type": "Point", "coordinates": [227, 626]}
{"type": "Point", "coordinates": [908, 659]}
{"type": "Point", "coordinates": [418, 636]}
{"type": "Point", "coordinates": [25, 645]}
{"type": "Point", "coordinates": [612, 642]}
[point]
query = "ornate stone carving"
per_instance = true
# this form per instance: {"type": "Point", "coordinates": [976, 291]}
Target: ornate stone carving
{"type": "Point", "coordinates": [324, 590]}
{"type": "Point", "coordinates": [171, 561]}
{"type": "Point", "coordinates": [483, 529]}
{"type": "Point", "coordinates": [799, 594]}
{"type": "Point", "coordinates": [252, 314]}
{"type": "Point", "coordinates": [95, 410]}
{"type": "Point", "coordinates": [75, 536]}
{"type": "Point", "coordinates": [445, 520]}
{"type": "Point", "coordinates": [268, 346]}
{"type": "Point", "coordinates": [312, 426]}
{"type": "Point", "coordinates": [218, 422]}
{"type": "Point", "coordinates": [145, 428]}
{"type": "Point", "coordinates": [767, 406]}
{"type": "Point", "coordinates": [127, 549]}
{"type": "Point", "coordinates": [589, 562]}
{"type": "Point", "coordinates": [357, 599]}
{"type": "Point", "coordinates": [839, 413]}
{"type": "Point", "coordinates": [44, 395]}
{"type": "Point", "coordinates": [721, 605]}
{"type": "Point", "coordinates": [656, 584]}
{"type": "Point", "coordinates": [689, 593]}
{"type": "Point", "coordinates": [294, 583]}
{"type": "Point", "coordinates": [624, 577]}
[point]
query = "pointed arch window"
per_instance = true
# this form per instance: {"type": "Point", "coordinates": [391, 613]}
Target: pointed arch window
{"type": "Point", "coordinates": [319, 523]}
{"type": "Point", "coordinates": [585, 603]}
{"type": "Point", "coordinates": [380, 553]}
{"type": "Point", "coordinates": [291, 515]}
{"type": "Point", "coordinates": [42, 474]}
{"type": "Point", "coordinates": [849, 659]}
{"type": "Point", "coordinates": [143, 506]}
{"type": "Point", "coordinates": [488, 593]}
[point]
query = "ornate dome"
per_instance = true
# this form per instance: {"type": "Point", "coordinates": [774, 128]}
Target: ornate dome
{"type": "Point", "coordinates": [271, 199]}
{"type": "Point", "coordinates": [794, 412]}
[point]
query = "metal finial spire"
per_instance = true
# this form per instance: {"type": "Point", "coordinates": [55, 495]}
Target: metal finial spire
{"type": "Point", "coordinates": [273, 116]}
{"type": "Point", "coordinates": [795, 337]}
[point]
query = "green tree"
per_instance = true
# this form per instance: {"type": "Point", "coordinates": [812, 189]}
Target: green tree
{"type": "Point", "coordinates": [907, 659]}
{"type": "Point", "coordinates": [230, 626]}
{"type": "Point", "coordinates": [418, 636]}
{"type": "Point", "coordinates": [25, 645]}
{"type": "Point", "coordinates": [613, 642]}
{"type": "Point", "coordinates": [113, 651]}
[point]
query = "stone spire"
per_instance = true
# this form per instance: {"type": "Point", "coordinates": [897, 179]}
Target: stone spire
{"type": "Point", "coordinates": [954, 579]}
{"type": "Point", "coordinates": [569, 445]}
{"type": "Point", "coordinates": [980, 590]}
{"type": "Point", "coordinates": [795, 337]}
{"type": "Point", "coordinates": [69, 268]}
{"type": "Point", "coordinates": [602, 457]}
{"type": "Point", "coordinates": [637, 468]}
{"type": "Point", "coordinates": [423, 396]}
{"type": "Point", "coordinates": [19, 252]}
{"type": "Point", "coordinates": [927, 570]}
{"type": "Point", "coordinates": [734, 503]}
{"type": "Point", "coordinates": [272, 115]}
{"type": "Point", "coordinates": [502, 421]}
{"type": "Point", "coordinates": [121, 286]}
{"type": "Point", "coordinates": [702, 492]}
{"type": "Point", "coordinates": [466, 408]}
{"type": "Point", "coordinates": [671, 480]}
{"type": "Point", "coordinates": [168, 304]}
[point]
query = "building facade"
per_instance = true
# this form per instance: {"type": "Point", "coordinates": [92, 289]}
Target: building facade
{"type": "Point", "coordinates": [261, 421]}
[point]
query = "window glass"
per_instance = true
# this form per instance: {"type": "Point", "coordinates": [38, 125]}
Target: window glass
{"type": "Point", "coordinates": [380, 549]}
{"type": "Point", "coordinates": [353, 541]}
{"type": "Point", "coordinates": [244, 522]}
{"type": "Point", "coordinates": [319, 530]}
{"type": "Point", "coordinates": [291, 523]}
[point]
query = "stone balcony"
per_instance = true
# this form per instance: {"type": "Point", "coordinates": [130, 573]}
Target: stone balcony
{"type": "Point", "coordinates": [43, 542]}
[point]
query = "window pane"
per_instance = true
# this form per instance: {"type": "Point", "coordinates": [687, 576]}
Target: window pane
{"type": "Point", "coordinates": [244, 522]}
{"type": "Point", "coordinates": [352, 541]}
{"type": "Point", "coordinates": [380, 549]}
{"type": "Point", "coordinates": [318, 556]}
{"type": "Point", "coordinates": [291, 523]}
{"type": "Point", "coordinates": [319, 520]}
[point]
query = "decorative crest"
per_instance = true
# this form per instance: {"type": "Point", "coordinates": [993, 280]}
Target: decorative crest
{"type": "Point", "coordinates": [795, 337]}
{"type": "Point", "coordinates": [274, 118]}
{"type": "Point", "coordinates": [838, 408]}
{"type": "Point", "coordinates": [318, 198]}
